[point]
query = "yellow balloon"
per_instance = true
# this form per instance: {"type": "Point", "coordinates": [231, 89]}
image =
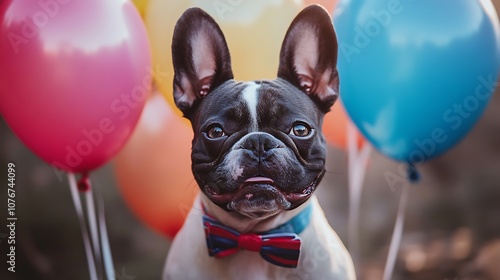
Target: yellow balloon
{"type": "Point", "coordinates": [254, 31]}
{"type": "Point", "coordinates": [141, 5]}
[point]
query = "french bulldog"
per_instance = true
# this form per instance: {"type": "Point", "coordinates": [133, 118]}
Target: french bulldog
{"type": "Point", "coordinates": [258, 154]}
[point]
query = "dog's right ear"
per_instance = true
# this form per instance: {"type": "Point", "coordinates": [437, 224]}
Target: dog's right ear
{"type": "Point", "coordinates": [201, 59]}
{"type": "Point", "coordinates": [308, 56]}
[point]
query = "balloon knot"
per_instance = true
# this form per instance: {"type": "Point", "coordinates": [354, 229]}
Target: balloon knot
{"type": "Point", "coordinates": [84, 183]}
{"type": "Point", "coordinates": [413, 175]}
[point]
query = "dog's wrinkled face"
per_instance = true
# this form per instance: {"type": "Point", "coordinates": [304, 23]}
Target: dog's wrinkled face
{"type": "Point", "coordinates": [258, 147]}
{"type": "Point", "coordinates": [261, 151]}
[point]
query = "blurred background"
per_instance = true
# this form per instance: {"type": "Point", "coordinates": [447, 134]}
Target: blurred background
{"type": "Point", "coordinates": [452, 228]}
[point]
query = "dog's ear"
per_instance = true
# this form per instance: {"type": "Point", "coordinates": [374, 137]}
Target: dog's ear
{"type": "Point", "coordinates": [200, 57]}
{"type": "Point", "coordinates": [308, 56]}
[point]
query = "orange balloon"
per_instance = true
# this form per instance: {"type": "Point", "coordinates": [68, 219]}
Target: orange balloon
{"type": "Point", "coordinates": [328, 4]}
{"type": "Point", "coordinates": [154, 169]}
{"type": "Point", "coordinates": [335, 127]}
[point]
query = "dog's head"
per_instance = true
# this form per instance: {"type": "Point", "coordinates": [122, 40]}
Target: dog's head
{"type": "Point", "coordinates": [258, 148]}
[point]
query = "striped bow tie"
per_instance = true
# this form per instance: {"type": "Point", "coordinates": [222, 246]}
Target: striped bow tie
{"type": "Point", "coordinates": [276, 246]}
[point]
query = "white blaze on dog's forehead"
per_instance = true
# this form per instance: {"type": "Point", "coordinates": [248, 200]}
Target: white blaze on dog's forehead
{"type": "Point", "coordinates": [203, 59]}
{"type": "Point", "coordinates": [250, 95]}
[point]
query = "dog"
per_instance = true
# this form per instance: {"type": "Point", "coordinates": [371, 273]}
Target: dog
{"type": "Point", "coordinates": [258, 154]}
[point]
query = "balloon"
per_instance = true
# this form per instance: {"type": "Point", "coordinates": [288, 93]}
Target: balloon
{"type": "Point", "coordinates": [328, 4]}
{"type": "Point", "coordinates": [416, 75]}
{"type": "Point", "coordinates": [335, 127]}
{"type": "Point", "coordinates": [154, 168]}
{"type": "Point", "coordinates": [141, 6]}
{"type": "Point", "coordinates": [74, 76]}
{"type": "Point", "coordinates": [254, 31]}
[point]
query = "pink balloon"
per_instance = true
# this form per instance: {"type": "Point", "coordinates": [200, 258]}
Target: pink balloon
{"type": "Point", "coordinates": [74, 77]}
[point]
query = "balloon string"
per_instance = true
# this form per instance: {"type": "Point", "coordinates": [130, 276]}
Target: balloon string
{"type": "Point", "coordinates": [109, 267]}
{"type": "Point", "coordinates": [397, 233]}
{"type": "Point", "coordinates": [357, 163]}
{"type": "Point", "coordinates": [91, 217]}
{"type": "Point", "coordinates": [83, 226]}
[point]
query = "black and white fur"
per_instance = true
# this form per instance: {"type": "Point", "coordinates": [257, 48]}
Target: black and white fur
{"type": "Point", "coordinates": [258, 152]}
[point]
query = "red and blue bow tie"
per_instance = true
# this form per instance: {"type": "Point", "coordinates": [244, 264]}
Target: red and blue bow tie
{"type": "Point", "coordinates": [275, 246]}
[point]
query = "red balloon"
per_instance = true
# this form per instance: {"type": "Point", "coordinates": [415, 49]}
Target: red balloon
{"type": "Point", "coordinates": [74, 77]}
{"type": "Point", "coordinates": [154, 168]}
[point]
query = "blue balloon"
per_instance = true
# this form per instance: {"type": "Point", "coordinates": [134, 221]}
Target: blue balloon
{"type": "Point", "coordinates": [415, 76]}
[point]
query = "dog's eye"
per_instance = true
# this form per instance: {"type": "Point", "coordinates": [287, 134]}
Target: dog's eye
{"type": "Point", "coordinates": [215, 132]}
{"type": "Point", "coordinates": [301, 130]}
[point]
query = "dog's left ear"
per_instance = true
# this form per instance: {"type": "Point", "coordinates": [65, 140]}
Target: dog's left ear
{"type": "Point", "coordinates": [308, 56]}
{"type": "Point", "coordinates": [200, 57]}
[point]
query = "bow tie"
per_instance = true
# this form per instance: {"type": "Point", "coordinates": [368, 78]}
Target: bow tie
{"type": "Point", "coordinates": [280, 246]}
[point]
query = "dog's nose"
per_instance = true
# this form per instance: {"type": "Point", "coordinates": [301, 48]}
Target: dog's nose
{"type": "Point", "coordinates": [260, 144]}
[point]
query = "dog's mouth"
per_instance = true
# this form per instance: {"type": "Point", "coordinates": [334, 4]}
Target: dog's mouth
{"type": "Point", "coordinates": [258, 196]}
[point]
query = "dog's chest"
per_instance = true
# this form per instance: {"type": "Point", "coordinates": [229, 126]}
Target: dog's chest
{"type": "Point", "coordinates": [249, 266]}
